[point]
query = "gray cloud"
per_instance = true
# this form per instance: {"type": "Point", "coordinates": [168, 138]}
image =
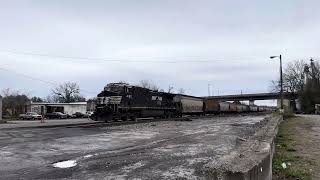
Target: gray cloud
{"type": "Point", "coordinates": [235, 37]}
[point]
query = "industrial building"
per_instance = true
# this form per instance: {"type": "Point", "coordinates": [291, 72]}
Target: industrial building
{"type": "Point", "coordinates": [67, 108]}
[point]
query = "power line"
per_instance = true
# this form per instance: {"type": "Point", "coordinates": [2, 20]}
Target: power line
{"type": "Point", "coordinates": [37, 79]}
{"type": "Point", "coordinates": [29, 77]}
{"type": "Point", "coordinates": [90, 59]}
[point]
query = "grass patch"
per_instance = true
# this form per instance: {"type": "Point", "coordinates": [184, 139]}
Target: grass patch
{"type": "Point", "coordinates": [288, 172]}
{"type": "Point", "coordinates": [288, 114]}
{"type": "Point", "coordinates": [287, 153]}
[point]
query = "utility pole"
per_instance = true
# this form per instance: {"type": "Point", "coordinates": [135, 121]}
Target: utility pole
{"type": "Point", "coordinates": [212, 91]}
{"type": "Point", "coordinates": [281, 80]}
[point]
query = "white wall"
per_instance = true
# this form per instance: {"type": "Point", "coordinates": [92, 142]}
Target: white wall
{"type": "Point", "coordinates": [36, 108]}
{"type": "Point", "coordinates": [71, 109]}
{"type": "Point", "coordinates": [68, 108]}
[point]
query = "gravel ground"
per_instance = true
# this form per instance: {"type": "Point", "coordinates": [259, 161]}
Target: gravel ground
{"type": "Point", "coordinates": [156, 150]}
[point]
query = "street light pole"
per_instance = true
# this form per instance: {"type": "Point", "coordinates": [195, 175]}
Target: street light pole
{"type": "Point", "coordinates": [281, 80]}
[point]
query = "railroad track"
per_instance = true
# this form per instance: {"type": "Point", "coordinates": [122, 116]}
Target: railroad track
{"type": "Point", "coordinates": [148, 120]}
{"type": "Point", "coordinates": [119, 123]}
{"type": "Point", "coordinates": [94, 124]}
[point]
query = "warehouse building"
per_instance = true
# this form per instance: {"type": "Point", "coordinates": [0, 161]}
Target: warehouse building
{"type": "Point", "coordinates": [67, 108]}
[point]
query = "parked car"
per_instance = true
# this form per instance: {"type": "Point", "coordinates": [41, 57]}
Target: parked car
{"type": "Point", "coordinates": [5, 115]}
{"type": "Point", "coordinates": [89, 113]}
{"type": "Point", "coordinates": [30, 116]}
{"type": "Point", "coordinates": [56, 115]}
{"type": "Point", "coordinates": [71, 116]}
{"type": "Point", "coordinates": [79, 115]}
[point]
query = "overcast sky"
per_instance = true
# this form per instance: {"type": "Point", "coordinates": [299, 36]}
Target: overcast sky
{"type": "Point", "coordinates": [182, 43]}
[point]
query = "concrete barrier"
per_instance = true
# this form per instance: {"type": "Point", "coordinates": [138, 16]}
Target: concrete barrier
{"type": "Point", "coordinates": [252, 160]}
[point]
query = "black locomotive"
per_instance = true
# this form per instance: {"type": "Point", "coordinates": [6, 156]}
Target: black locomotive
{"type": "Point", "coordinates": [122, 101]}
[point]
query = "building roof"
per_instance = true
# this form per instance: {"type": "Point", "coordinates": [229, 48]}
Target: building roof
{"type": "Point", "coordinates": [44, 103]}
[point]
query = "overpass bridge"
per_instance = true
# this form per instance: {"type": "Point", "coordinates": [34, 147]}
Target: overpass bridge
{"type": "Point", "coordinates": [252, 97]}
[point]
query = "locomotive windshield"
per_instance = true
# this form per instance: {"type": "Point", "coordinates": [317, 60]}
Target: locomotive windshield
{"type": "Point", "coordinates": [115, 87]}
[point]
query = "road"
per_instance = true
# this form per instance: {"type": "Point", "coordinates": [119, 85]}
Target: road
{"type": "Point", "coordinates": [156, 150]}
{"type": "Point", "coordinates": [48, 122]}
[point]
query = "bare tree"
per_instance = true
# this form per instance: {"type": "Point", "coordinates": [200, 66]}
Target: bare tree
{"type": "Point", "coordinates": [314, 73]}
{"type": "Point", "coordinates": [14, 102]}
{"type": "Point", "coordinates": [9, 92]}
{"type": "Point", "coordinates": [6, 92]}
{"type": "Point", "coordinates": [36, 99]}
{"type": "Point", "coordinates": [170, 89]}
{"type": "Point", "coordinates": [67, 92]}
{"type": "Point", "coordinates": [148, 84]}
{"type": "Point", "coordinates": [181, 91]}
{"type": "Point", "coordinates": [311, 91]}
{"type": "Point", "coordinates": [293, 77]}
{"type": "Point", "coordinates": [302, 78]}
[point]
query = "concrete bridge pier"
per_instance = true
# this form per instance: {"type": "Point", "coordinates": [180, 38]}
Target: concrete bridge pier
{"type": "Point", "coordinates": [287, 104]}
{"type": "Point", "coordinates": [251, 102]}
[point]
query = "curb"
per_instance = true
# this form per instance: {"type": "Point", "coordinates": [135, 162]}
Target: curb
{"type": "Point", "coordinates": [252, 160]}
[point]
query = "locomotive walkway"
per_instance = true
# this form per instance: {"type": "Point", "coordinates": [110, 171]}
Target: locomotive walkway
{"type": "Point", "coordinates": [231, 147]}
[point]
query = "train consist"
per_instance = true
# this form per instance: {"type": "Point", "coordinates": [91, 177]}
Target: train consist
{"type": "Point", "coordinates": [120, 101]}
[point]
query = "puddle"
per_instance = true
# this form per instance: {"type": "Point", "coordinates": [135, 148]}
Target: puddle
{"type": "Point", "coordinates": [65, 164]}
{"type": "Point", "coordinates": [88, 156]}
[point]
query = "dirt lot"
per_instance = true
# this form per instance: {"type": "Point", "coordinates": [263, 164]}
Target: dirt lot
{"type": "Point", "coordinates": [298, 146]}
{"type": "Point", "coordinates": [157, 150]}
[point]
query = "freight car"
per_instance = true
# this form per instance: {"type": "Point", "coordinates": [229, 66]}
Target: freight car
{"type": "Point", "coordinates": [122, 101]}
{"type": "Point", "coordinates": [253, 108]}
{"type": "Point", "coordinates": [211, 106]}
{"type": "Point", "coordinates": [234, 108]}
{"type": "Point", "coordinates": [224, 107]}
{"type": "Point", "coordinates": [188, 105]}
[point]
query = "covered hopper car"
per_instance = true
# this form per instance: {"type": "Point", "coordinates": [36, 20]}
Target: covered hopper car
{"type": "Point", "coordinates": [188, 104]}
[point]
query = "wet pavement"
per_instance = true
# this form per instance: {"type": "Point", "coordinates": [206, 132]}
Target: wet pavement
{"type": "Point", "coordinates": [155, 150]}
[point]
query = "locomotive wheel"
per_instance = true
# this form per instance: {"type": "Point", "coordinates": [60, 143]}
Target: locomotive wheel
{"type": "Point", "coordinates": [108, 118]}
{"type": "Point", "coordinates": [124, 118]}
{"type": "Point", "coordinates": [133, 118]}
{"type": "Point", "coordinates": [104, 117]}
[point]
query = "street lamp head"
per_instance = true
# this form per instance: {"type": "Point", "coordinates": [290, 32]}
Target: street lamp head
{"type": "Point", "coordinates": [271, 57]}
